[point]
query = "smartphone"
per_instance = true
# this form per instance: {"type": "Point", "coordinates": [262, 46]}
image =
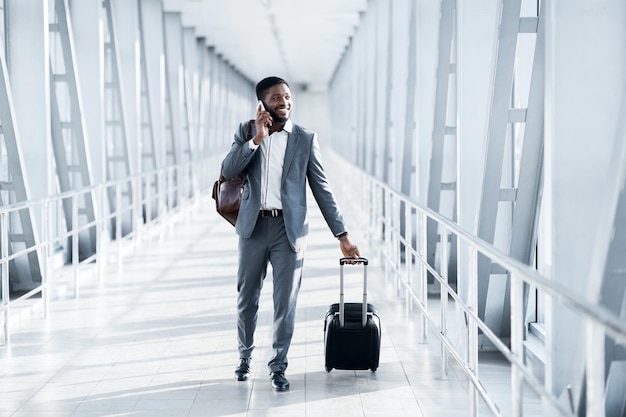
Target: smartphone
{"type": "Point", "coordinates": [262, 106]}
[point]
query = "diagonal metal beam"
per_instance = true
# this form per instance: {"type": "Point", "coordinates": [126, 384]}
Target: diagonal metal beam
{"type": "Point", "coordinates": [68, 136]}
{"type": "Point", "coordinates": [440, 130]}
{"type": "Point", "coordinates": [497, 137]}
{"type": "Point", "coordinates": [23, 223]}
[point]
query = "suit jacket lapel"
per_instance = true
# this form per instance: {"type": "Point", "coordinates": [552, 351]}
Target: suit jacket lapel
{"type": "Point", "coordinates": [290, 151]}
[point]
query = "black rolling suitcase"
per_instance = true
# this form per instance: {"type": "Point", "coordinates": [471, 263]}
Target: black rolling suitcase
{"type": "Point", "coordinates": [352, 330]}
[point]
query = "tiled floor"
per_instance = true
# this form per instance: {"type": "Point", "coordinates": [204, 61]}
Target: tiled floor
{"type": "Point", "coordinates": [157, 338]}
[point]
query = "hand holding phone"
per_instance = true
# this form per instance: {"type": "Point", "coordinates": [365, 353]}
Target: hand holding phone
{"type": "Point", "coordinates": [265, 117]}
{"type": "Point", "coordinates": [263, 122]}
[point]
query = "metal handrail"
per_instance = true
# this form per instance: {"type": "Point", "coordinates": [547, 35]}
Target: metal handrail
{"type": "Point", "coordinates": [367, 193]}
{"type": "Point", "coordinates": [561, 293]}
{"type": "Point", "coordinates": [182, 190]}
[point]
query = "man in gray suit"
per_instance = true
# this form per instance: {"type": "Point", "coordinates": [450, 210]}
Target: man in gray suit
{"type": "Point", "coordinates": [277, 162]}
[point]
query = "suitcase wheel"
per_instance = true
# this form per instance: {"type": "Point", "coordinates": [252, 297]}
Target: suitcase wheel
{"type": "Point", "coordinates": [329, 368]}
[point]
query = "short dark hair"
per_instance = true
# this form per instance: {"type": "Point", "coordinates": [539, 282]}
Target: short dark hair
{"type": "Point", "coordinates": [266, 83]}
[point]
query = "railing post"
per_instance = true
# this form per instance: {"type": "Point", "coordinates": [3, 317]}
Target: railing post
{"type": "Point", "coordinates": [139, 208]}
{"type": "Point", "coordinates": [377, 221]}
{"type": "Point", "coordinates": [408, 256]}
{"type": "Point", "coordinates": [45, 256]}
{"type": "Point", "coordinates": [136, 211]}
{"type": "Point", "coordinates": [181, 173]}
{"type": "Point", "coordinates": [472, 339]}
{"type": "Point", "coordinates": [171, 200]}
{"type": "Point", "coordinates": [444, 300]}
{"type": "Point", "coordinates": [423, 285]}
{"type": "Point", "coordinates": [397, 233]}
{"type": "Point", "coordinates": [517, 342]}
{"type": "Point", "coordinates": [162, 201]}
{"type": "Point", "coordinates": [75, 253]}
{"type": "Point", "coordinates": [118, 223]}
{"type": "Point", "coordinates": [148, 203]}
{"type": "Point", "coordinates": [4, 241]}
{"type": "Point", "coordinates": [176, 190]}
{"type": "Point", "coordinates": [100, 232]}
{"type": "Point", "coordinates": [185, 171]}
{"type": "Point", "coordinates": [595, 363]}
{"type": "Point", "coordinates": [387, 232]}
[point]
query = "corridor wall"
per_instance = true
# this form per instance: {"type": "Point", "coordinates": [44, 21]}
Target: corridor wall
{"type": "Point", "coordinates": [516, 106]}
{"type": "Point", "coordinates": [96, 92]}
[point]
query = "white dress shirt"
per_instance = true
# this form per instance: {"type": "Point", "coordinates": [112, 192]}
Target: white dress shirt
{"type": "Point", "coordinates": [272, 158]}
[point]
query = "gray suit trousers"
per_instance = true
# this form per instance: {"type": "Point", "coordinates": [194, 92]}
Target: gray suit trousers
{"type": "Point", "coordinates": [268, 243]}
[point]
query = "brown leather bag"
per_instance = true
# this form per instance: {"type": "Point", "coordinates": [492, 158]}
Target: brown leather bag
{"type": "Point", "coordinates": [227, 191]}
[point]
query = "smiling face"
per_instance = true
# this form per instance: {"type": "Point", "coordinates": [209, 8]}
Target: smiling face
{"type": "Point", "coordinates": [277, 101]}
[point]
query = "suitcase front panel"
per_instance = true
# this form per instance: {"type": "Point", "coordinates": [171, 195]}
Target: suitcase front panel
{"type": "Point", "coordinates": [353, 343]}
{"type": "Point", "coordinates": [352, 346]}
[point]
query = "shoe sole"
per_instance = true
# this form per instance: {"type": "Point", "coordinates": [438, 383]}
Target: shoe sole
{"type": "Point", "coordinates": [242, 378]}
{"type": "Point", "coordinates": [280, 389]}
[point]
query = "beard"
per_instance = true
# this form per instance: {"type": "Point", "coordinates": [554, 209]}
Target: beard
{"type": "Point", "coordinates": [276, 117]}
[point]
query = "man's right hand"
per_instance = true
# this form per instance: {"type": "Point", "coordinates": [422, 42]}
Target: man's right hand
{"type": "Point", "coordinates": [263, 121]}
{"type": "Point", "coordinates": [348, 249]}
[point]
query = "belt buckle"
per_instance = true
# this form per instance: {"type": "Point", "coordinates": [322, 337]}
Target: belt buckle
{"type": "Point", "coordinates": [274, 212]}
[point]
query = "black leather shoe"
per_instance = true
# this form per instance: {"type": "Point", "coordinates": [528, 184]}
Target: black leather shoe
{"type": "Point", "coordinates": [242, 371]}
{"type": "Point", "coordinates": [279, 382]}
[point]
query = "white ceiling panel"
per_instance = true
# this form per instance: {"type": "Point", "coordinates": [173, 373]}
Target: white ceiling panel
{"type": "Point", "coordinates": [299, 40]}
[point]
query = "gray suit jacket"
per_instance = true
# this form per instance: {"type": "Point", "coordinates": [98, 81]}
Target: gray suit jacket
{"type": "Point", "coordinates": [302, 162]}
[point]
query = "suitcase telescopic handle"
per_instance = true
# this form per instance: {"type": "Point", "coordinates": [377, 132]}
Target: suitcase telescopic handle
{"type": "Point", "coordinates": [363, 261]}
{"type": "Point", "coordinates": [342, 314]}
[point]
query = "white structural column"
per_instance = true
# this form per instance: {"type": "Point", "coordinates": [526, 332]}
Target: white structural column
{"type": "Point", "coordinates": [68, 131]}
{"type": "Point", "coordinates": [440, 127]}
{"type": "Point", "coordinates": [126, 17]}
{"type": "Point", "coordinates": [209, 136]}
{"type": "Point", "coordinates": [387, 126]}
{"type": "Point", "coordinates": [476, 34]}
{"type": "Point", "coordinates": [25, 271]}
{"type": "Point", "coordinates": [152, 36]}
{"type": "Point", "coordinates": [29, 68]}
{"type": "Point", "coordinates": [494, 218]}
{"type": "Point", "coordinates": [398, 78]}
{"type": "Point", "coordinates": [191, 71]}
{"type": "Point", "coordinates": [178, 150]}
{"type": "Point", "coordinates": [408, 149]}
{"type": "Point", "coordinates": [158, 91]}
{"type": "Point", "coordinates": [88, 58]}
{"type": "Point", "coordinates": [384, 64]}
{"type": "Point", "coordinates": [190, 92]}
{"type": "Point", "coordinates": [223, 93]}
{"type": "Point", "coordinates": [147, 114]}
{"type": "Point", "coordinates": [217, 85]}
{"type": "Point", "coordinates": [585, 68]}
{"type": "Point", "coordinates": [428, 21]}
{"type": "Point", "coordinates": [370, 91]}
{"type": "Point", "coordinates": [443, 130]}
{"type": "Point", "coordinates": [116, 129]}
{"type": "Point", "coordinates": [204, 97]}
{"type": "Point", "coordinates": [358, 54]}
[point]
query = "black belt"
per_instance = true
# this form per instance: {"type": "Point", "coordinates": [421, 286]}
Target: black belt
{"type": "Point", "coordinates": [271, 213]}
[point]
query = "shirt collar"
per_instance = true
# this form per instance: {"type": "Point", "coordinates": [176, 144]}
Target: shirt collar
{"type": "Point", "coordinates": [288, 126]}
